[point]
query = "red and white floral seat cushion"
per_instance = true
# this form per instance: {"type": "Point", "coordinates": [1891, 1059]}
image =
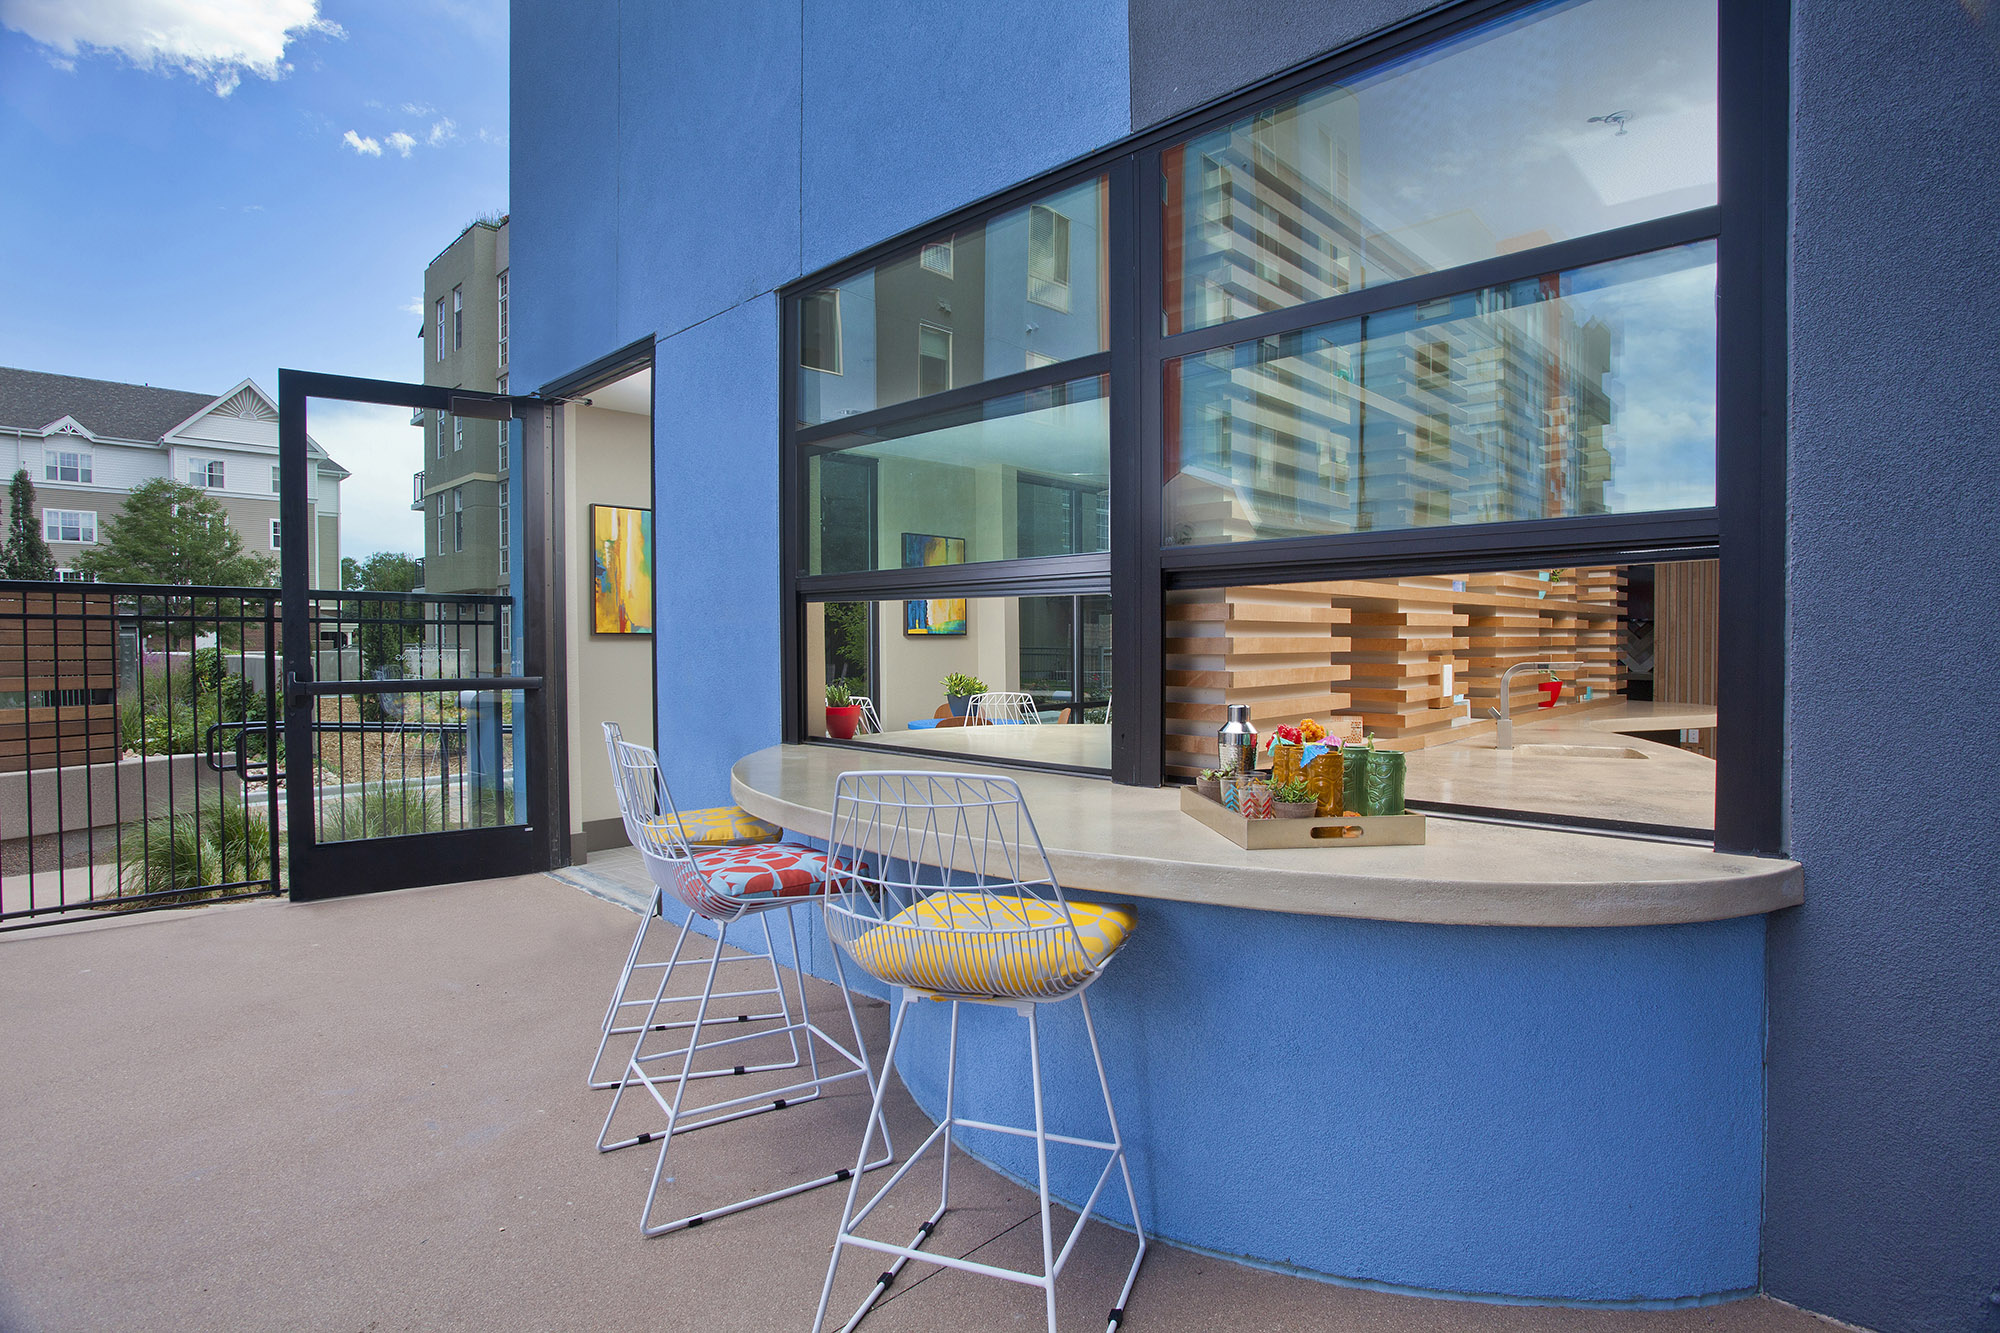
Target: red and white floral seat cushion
{"type": "Point", "coordinates": [763, 870]}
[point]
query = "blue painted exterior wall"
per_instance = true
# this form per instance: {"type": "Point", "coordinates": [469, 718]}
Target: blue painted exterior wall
{"type": "Point", "coordinates": [1884, 1202]}
{"type": "Point", "coordinates": [673, 166]}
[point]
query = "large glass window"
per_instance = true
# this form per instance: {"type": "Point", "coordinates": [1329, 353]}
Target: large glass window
{"type": "Point", "coordinates": [963, 486]}
{"type": "Point", "coordinates": [1585, 392]}
{"type": "Point", "coordinates": [1052, 655]}
{"type": "Point", "coordinates": [1558, 121]}
{"type": "Point", "coordinates": [997, 297]}
{"type": "Point", "coordinates": [1603, 675]}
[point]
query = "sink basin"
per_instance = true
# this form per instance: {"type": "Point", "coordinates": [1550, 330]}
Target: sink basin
{"type": "Point", "coordinates": [1580, 751]}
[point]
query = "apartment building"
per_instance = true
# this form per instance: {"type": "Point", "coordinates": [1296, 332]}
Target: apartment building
{"type": "Point", "coordinates": [462, 489]}
{"type": "Point", "coordinates": [87, 443]}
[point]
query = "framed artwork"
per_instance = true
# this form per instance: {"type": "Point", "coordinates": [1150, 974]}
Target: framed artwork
{"type": "Point", "coordinates": [933, 616]}
{"type": "Point", "coordinates": [621, 568]}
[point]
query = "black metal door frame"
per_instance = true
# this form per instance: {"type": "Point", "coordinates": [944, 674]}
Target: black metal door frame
{"type": "Point", "coordinates": [325, 870]}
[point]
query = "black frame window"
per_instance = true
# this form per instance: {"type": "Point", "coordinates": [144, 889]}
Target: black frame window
{"type": "Point", "coordinates": [1743, 526]}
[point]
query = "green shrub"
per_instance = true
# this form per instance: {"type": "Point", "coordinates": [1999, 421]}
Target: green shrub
{"type": "Point", "coordinates": [386, 812]}
{"type": "Point", "coordinates": [187, 854]}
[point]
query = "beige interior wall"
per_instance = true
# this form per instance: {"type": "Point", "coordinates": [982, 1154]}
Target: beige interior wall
{"type": "Point", "coordinates": [607, 459]}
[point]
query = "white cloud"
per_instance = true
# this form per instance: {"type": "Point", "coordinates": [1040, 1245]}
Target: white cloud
{"type": "Point", "coordinates": [218, 41]}
{"type": "Point", "coordinates": [442, 132]}
{"type": "Point", "coordinates": [364, 146]}
{"type": "Point", "coordinates": [415, 108]}
{"type": "Point", "coordinates": [401, 142]}
{"type": "Point", "coordinates": [415, 307]}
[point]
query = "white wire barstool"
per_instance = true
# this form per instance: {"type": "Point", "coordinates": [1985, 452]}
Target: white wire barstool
{"type": "Point", "coordinates": [1002, 706]}
{"type": "Point", "coordinates": [725, 885]}
{"type": "Point", "coordinates": [638, 804]}
{"type": "Point", "coordinates": [994, 928]}
{"type": "Point", "coordinates": [871, 721]}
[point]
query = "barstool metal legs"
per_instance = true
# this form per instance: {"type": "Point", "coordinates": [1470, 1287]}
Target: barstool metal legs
{"type": "Point", "coordinates": [1052, 1259]}
{"type": "Point", "coordinates": [729, 1109]}
{"type": "Point", "coordinates": [621, 999]}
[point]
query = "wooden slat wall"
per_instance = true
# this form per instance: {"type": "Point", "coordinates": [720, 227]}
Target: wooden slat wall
{"type": "Point", "coordinates": [1417, 661]}
{"type": "Point", "coordinates": [1686, 597]}
{"type": "Point", "coordinates": [44, 650]}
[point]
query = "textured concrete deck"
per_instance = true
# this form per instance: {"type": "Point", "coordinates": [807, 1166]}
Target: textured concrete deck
{"type": "Point", "coordinates": [369, 1114]}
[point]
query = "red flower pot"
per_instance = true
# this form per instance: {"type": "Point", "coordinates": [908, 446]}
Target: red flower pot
{"type": "Point", "coordinates": [841, 722]}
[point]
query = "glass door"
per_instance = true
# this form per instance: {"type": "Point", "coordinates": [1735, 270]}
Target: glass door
{"type": "Point", "coordinates": [416, 723]}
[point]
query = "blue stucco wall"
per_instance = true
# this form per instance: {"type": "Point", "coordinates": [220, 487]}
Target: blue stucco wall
{"type": "Point", "coordinates": [667, 182]}
{"type": "Point", "coordinates": [1884, 1198]}
{"type": "Point", "coordinates": [1571, 1116]}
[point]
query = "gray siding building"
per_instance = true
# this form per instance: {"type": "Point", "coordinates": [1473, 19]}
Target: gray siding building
{"type": "Point", "coordinates": [461, 487]}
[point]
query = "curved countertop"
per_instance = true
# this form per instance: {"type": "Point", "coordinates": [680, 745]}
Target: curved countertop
{"type": "Point", "coordinates": [1135, 842]}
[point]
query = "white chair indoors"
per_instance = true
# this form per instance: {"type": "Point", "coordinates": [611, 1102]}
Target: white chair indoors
{"type": "Point", "coordinates": [724, 885]}
{"type": "Point", "coordinates": [996, 930]}
{"type": "Point", "coordinates": [1000, 707]}
{"type": "Point", "coordinates": [720, 826]}
{"type": "Point", "coordinates": [871, 721]}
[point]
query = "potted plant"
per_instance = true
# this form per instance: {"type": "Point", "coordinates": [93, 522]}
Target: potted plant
{"type": "Point", "coordinates": [1209, 784]}
{"type": "Point", "coordinates": [843, 715]}
{"type": "Point", "coordinates": [958, 691]}
{"type": "Point", "coordinates": [1293, 800]}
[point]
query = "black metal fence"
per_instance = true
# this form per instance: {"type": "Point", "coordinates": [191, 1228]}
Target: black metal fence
{"type": "Point", "coordinates": [138, 747]}
{"type": "Point", "coordinates": [142, 737]}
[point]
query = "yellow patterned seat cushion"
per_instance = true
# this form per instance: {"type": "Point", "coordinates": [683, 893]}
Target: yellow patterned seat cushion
{"type": "Point", "coordinates": [721, 823]}
{"type": "Point", "coordinates": [969, 943]}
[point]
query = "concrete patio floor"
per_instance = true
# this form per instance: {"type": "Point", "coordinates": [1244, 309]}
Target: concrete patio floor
{"type": "Point", "coordinates": [369, 1114]}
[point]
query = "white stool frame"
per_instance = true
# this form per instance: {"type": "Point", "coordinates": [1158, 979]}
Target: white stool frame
{"type": "Point", "coordinates": [895, 818]}
{"type": "Point", "coordinates": [670, 862]}
{"type": "Point", "coordinates": [1003, 706]}
{"type": "Point", "coordinates": [636, 804]}
{"type": "Point", "coordinates": [871, 721]}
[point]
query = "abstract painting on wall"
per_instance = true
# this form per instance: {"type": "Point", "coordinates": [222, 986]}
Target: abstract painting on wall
{"type": "Point", "coordinates": [933, 615]}
{"type": "Point", "coordinates": [621, 567]}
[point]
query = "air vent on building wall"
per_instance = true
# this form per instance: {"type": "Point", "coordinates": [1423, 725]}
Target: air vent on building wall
{"type": "Point", "coordinates": [248, 406]}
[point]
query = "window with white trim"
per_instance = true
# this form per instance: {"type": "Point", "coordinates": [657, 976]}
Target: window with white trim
{"type": "Point", "coordinates": [440, 328]}
{"type": "Point", "coordinates": [457, 318]}
{"type": "Point", "coordinates": [206, 474]}
{"type": "Point", "coordinates": [66, 466]}
{"type": "Point", "coordinates": [275, 478]}
{"type": "Point", "coordinates": [274, 535]}
{"type": "Point", "coordinates": [1048, 258]}
{"type": "Point", "coordinates": [500, 302]}
{"type": "Point", "coordinates": [75, 576]}
{"type": "Point", "coordinates": [936, 257]}
{"type": "Point", "coordinates": [457, 433]}
{"type": "Point", "coordinates": [69, 525]}
{"type": "Point", "coordinates": [506, 538]}
{"type": "Point", "coordinates": [444, 531]}
{"type": "Point", "coordinates": [458, 518]}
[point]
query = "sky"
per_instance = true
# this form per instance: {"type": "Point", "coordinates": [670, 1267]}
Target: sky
{"type": "Point", "coordinates": [202, 191]}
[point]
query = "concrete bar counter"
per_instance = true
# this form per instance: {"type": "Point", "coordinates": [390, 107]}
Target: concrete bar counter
{"type": "Point", "coordinates": [1510, 1064]}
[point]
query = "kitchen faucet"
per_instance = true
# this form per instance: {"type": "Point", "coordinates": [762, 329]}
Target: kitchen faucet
{"type": "Point", "coordinates": [1503, 739]}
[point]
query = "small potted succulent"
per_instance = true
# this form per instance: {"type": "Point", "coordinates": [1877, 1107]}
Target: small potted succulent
{"type": "Point", "coordinates": [843, 715]}
{"type": "Point", "coordinates": [1209, 784]}
{"type": "Point", "coordinates": [1293, 800]}
{"type": "Point", "coordinates": [958, 691]}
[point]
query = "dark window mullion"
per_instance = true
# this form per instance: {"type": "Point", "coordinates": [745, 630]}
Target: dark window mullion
{"type": "Point", "coordinates": [965, 395]}
{"type": "Point", "coordinates": [1600, 247]}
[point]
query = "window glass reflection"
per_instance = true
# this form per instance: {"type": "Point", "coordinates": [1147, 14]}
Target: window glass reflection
{"type": "Point", "coordinates": [1587, 392]}
{"type": "Point", "coordinates": [1017, 291]}
{"type": "Point", "coordinates": [1026, 474]}
{"type": "Point", "coordinates": [1556, 122]}
{"type": "Point", "coordinates": [1044, 662]}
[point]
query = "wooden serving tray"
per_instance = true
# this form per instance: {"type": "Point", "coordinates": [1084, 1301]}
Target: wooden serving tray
{"type": "Point", "coordinates": [1258, 835]}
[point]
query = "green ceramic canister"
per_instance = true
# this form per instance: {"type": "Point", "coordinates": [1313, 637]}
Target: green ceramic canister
{"type": "Point", "coordinates": [1383, 787]}
{"type": "Point", "coordinates": [1353, 778]}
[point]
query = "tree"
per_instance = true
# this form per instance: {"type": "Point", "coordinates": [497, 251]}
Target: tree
{"type": "Point", "coordinates": [26, 555]}
{"type": "Point", "coordinates": [175, 534]}
{"type": "Point", "coordinates": [384, 627]}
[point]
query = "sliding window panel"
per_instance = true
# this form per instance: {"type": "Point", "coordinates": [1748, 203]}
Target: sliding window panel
{"type": "Point", "coordinates": [1584, 392]}
{"type": "Point", "coordinates": [1558, 121]}
{"type": "Point", "coordinates": [1009, 294]}
{"type": "Point", "coordinates": [1052, 654]}
{"type": "Point", "coordinates": [1023, 475]}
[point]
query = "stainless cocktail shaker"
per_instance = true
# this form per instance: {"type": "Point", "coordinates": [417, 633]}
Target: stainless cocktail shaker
{"type": "Point", "coordinates": [1236, 743]}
